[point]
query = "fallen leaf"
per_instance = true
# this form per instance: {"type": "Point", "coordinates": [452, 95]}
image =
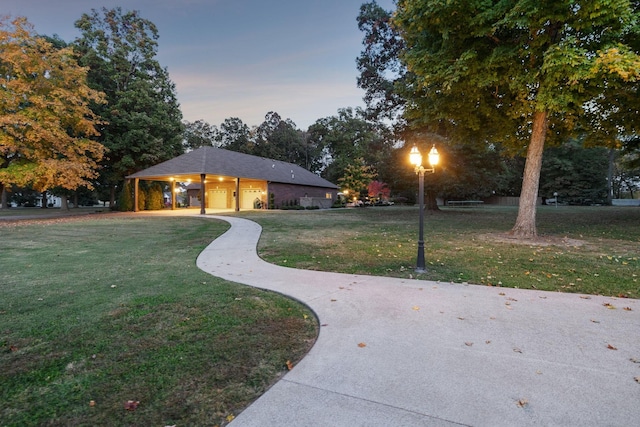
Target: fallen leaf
{"type": "Point", "coordinates": [334, 300]}
{"type": "Point", "coordinates": [487, 342]}
{"type": "Point", "coordinates": [595, 321]}
{"type": "Point", "coordinates": [609, 306]}
{"type": "Point", "coordinates": [585, 297]}
{"type": "Point", "coordinates": [634, 360]}
{"type": "Point", "coordinates": [522, 403]}
{"type": "Point", "coordinates": [627, 309]}
{"type": "Point", "coordinates": [416, 308]}
{"type": "Point", "coordinates": [289, 365]}
{"type": "Point", "coordinates": [610, 347]}
{"type": "Point", "coordinates": [92, 403]}
{"type": "Point", "coordinates": [517, 350]}
{"type": "Point", "coordinates": [461, 318]}
{"type": "Point", "coordinates": [468, 344]}
{"type": "Point", "coordinates": [324, 324]}
{"type": "Point", "coordinates": [637, 379]}
{"type": "Point", "coordinates": [131, 405]}
{"type": "Point", "coordinates": [362, 345]}
{"type": "Point", "coordinates": [13, 348]}
{"type": "Point", "coordinates": [511, 299]}
{"type": "Point", "coordinates": [502, 294]}
{"type": "Point", "coordinates": [230, 417]}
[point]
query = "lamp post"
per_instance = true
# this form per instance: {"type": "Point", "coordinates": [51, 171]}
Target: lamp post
{"type": "Point", "coordinates": [416, 160]}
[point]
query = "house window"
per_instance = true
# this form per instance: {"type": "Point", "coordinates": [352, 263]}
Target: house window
{"type": "Point", "coordinates": [328, 196]}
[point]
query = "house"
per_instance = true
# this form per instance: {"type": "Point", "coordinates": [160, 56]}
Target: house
{"type": "Point", "coordinates": [226, 179]}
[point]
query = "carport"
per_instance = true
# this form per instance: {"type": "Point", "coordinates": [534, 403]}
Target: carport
{"type": "Point", "coordinates": [232, 180]}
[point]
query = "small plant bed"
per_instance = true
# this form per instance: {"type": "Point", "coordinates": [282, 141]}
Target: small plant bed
{"type": "Point", "coordinates": [107, 320]}
{"type": "Point", "coordinates": [592, 250]}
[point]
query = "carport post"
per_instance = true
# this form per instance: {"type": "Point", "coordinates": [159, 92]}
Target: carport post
{"type": "Point", "coordinates": [238, 194]}
{"type": "Point", "coordinates": [203, 193]}
{"type": "Point", "coordinates": [173, 194]}
{"type": "Point", "coordinates": [136, 181]}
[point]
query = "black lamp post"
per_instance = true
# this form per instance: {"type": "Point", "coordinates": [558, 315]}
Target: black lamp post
{"type": "Point", "coordinates": [416, 160]}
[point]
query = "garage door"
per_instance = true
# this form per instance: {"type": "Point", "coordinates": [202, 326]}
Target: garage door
{"type": "Point", "coordinates": [217, 199]}
{"type": "Point", "coordinates": [248, 197]}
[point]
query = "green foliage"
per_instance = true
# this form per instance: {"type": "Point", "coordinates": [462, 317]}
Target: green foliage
{"type": "Point", "coordinates": [125, 202]}
{"type": "Point", "coordinates": [379, 63]}
{"type": "Point", "coordinates": [142, 197]}
{"type": "Point", "coordinates": [199, 134]}
{"type": "Point", "coordinates": [154, 197]}
{"type": "Point", "coordinates": [521, 72]}
{"type": "Point", "coordinates": [143, 119]}
{"type": "Point", "coordinates": [577, 174]}
{"type": "Point", "coordinates": [356, 178]}
{"type": "Point", "coordinates": [346, 137]}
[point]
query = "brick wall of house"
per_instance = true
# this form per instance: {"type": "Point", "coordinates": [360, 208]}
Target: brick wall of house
{"type": "Point", "coordinates": [285, 193]}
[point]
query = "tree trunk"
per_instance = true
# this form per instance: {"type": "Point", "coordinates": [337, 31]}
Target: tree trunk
{"type": "Point", "coordinates": [4, 197]}
{"type": "Point", "coordinates": [612, 156]}
{"type": "Point", "coordinates": [430, 202]}
{"type": "Point", "coordinates": [43, 200]}
{"type": "Point", "coordinates": [112, 197]}
{"type": "Point", "coordinates": [525, 226]}
{"type": "Point", "coordinates": [64, 203]}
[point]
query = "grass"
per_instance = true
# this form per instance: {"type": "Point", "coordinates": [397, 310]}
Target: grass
{"type": "Point", "coordinates": [461, 246]}
{"type": "Point", "coordinates": [102, 310]}
{"type": "Point", "coordinates": [99, 311]}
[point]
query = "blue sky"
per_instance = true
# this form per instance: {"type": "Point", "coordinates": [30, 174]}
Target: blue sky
{"type": "Point", "coordinates": [239, 58]}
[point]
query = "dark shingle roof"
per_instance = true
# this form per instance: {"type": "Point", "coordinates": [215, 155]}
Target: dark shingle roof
{"type": "Point", "coordinates": [220, 162]}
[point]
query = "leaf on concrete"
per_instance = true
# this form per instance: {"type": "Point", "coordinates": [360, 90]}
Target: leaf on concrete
{"type": "Point", "coordinates": [522, 403]}
{"type": "Point", "coordinates": [468, 344]}
{"type": "Point", "coordinates": [289, 365]}
{"type": "Point", "coordinates": [627, 309]}
{"type": "Point", "coordinates": [362, 345]}
{"type": "Point", "coordinates": [610, 347]}
{"type": "Point", "coordinates": [609, 306]}
{"type": "Point", "coordinates": [416, 308]}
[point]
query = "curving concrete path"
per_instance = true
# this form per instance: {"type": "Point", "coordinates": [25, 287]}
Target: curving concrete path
{"type": "Point", "coordinates": [398, 352]}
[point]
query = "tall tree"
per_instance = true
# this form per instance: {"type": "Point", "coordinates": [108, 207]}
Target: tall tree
{"type": "Point", "coordinates": [144, 121]}
{"type": "Point", "coordinates": [199, 134]}
{"type": "Point", "coordinates": [280, 139]}
{"type": "Point", "coordinates": [46, 124]}
{"type": "Point", "coordinates": [576, 173]}
{"type": "Point", "coordinates": [346, 137]}
{"type": "Point", "coordinates": [519, 72]}
{"type": "Point", "coordinates": [235, 135]}
{"type": "Point", "coordinates": [379, 64]}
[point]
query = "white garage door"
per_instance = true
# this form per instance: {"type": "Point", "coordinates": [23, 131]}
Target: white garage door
{"type": "Point", "coordinates": [217, 199]}
{"type": "Point", "coordinates": [248, 197]}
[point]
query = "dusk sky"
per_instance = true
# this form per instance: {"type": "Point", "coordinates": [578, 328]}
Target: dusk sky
{"type": "Point", "coordinates": [239, 58]}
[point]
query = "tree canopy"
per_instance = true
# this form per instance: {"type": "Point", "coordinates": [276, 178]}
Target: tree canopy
{"type": "Point", "coordinates": [46, 123]}
{"type": "Point", "coordinates": [144, 121]}
{"type": "Point", "coordinates": [521, 73]}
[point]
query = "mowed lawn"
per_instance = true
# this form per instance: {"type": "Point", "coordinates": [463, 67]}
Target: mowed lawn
{"type": "Point", "coordinates": [106, 320]}
{"type": "Point", "coordinates": [592, 250]}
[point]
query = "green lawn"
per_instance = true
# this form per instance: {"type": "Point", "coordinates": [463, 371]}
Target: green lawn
{"type": "Point", "coordinates": [99, 311]}
{"type": "Point", "coordinates": [462, 245]}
